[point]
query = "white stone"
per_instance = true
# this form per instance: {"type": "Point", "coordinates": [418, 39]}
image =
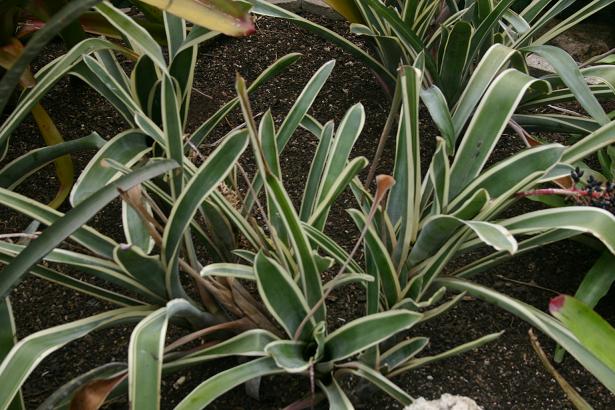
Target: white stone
{"type": "Point", "coordinates": [446, 402]}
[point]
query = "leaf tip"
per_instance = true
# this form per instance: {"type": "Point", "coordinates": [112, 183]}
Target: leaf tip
{"type": "Point", "coordinates": [557, 303]}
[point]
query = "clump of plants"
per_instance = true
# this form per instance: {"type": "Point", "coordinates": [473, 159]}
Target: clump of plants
{"type": "Point", "coordinates": [189, 249]}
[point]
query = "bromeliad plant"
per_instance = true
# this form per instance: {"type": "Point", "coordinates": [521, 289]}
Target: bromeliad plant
{"type": "Point", "coordinates": [137, 98]}
{"type": "Point", "coordinates": [288, 272]}
{"type": "Point", "coordinates": [450, 36]}
{"type": "Point", "coordinates": [228, 17]}
{"type": "Point", "coordinates": [454, 40]}
{"type": "Point", "coordinates": [407, 243]}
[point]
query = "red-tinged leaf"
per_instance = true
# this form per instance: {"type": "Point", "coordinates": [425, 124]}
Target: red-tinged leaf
{"type": "Point", "coordinates": [595, 333]}
{"type": "Point", "coordinates": [226, 16]}
{"type": "Point", "coordinates": [93, 395]}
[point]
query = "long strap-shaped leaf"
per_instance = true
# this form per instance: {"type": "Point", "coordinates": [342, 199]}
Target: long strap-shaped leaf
{"type": "Point", "coordinates": [593, 142]}
{"type": "Point", "coordinates": [64, 17]}
{"type": "Point", "coordinates": [303, 253]}
{"type": "Point", "coordinates": [595, 221]}
{"type": "Point", "coordinates": [542, 321]}
{"type": "Point", "coordinates": [377, 379]}
{"type": "Point", "coordinates": [206, 179]}
{"type": "Point", "coordinates": [363, 333]}
{"type": "Point", "coordinates": [278, 66]}
{"type": "Point", "coordinates": [55, 71]}
{"type": "Point", "coordinates": [338, 400]}
{"type": "Point", "coordinates": [281, 295]}
{"type": "Point", "coordinates": [294, 117]}
{"type": "Point", "coordinates": [589, 9]}
{"type": "Point", "coordinates": [485, 129]}
{"type": "Point", "coordinates": [437, 230]}
{"type": "Point", "coordinates": [310, 191]}
{"type": "Point", "coordinates": [173, 132]}
{"type": "Point", "coordinates": [126, 148]}
{"type": "Point", "coordinates": [570, 74]}
{"type": "Point", "coordinates": [230, 17]}
{"type": "Point", "coordinates": [496, 57]}
{"type": "Point", "coordinates": [7, 341]}
{"type": "Point", "coordinates": [73, 220]}
{"type": "Point", "coordinates": [509, 176]}
{"type": "Point", "coordinates": [85, 235]}
{"type": "Point", "coordinates": [145, 353]}
{"type": "Point", "coordinates": [13, 173]}
{"type": "Point", "coordinates": [139, 38]}
{"type": "Point", "coordinates": [222, 382]}
{"type": "Point", "coordinates": [29, 352]}
{"type": "Point", "coordinates": [78, 285]}
{"type": "Point", "coordinates": [381, 259]}
{"type": "Point", "coordinates": [249, 343]}
{"type": "Point", "coordinates": [265, 8]}
{"type": "Point", "coordinates": [405, 198]}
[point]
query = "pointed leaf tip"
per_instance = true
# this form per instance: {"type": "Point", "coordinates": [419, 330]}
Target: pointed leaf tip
{"type": "Point", "coordinates": [557, 303]}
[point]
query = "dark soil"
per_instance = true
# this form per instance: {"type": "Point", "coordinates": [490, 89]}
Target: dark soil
{"type": "Point", "coordinates": [505, 374]}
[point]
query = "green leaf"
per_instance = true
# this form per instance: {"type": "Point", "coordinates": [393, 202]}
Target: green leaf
{"type": "Point", "coordinates": [595, 221]}
{"type": "Point", "coordinates": [230, 17]}
{"type": "Point", "coordinates": [289, 355]}
{"type": "Point", "coordinates": [112, 87]}
{"type": "Point", "coordinates": [439, 229]}
{"type": "Point", "coordinates": [229, 270]}
{"type": "Point", "coordinates": [310, 276]}
{"type": "Point", "coordinates": [600, 138]}
{"type": "Point", "coordinates": [513, 174]}
{"type": "Point", "coordinates": [377, 379]}
{"type": "Point", "coordinates": [73, 220]}
{"type": "Point", "coordinates": [595, 333]}
{"type": "Point", "coordinates": [282, 296]}
{"type": "Point", "coordinates": [175, 28]}
{"type": "Point", "coordinates": [570, 74]}
{"type": "Point", "coordinates": [494, 59]}
{"type": "Point", "coordinates": [379, 254]}
{"type": "Point", "coordinates": [30, 351]}
{"type": "Point", "coordinates": [145, 353]}
{"type": "Point", "coordinates": [363, 333]}
{"type": "Point", "coordinates": [486, 127]}
{"type": "Point", "coordinates": [455, 59]}
{"type": "Point", "coordinates": [543, 322]}
{"type": "Point", "coordinates": [405, 198]}
{"type": "Point", "coordinates": [127, 148]}
{"type": "Point", "coordinates": [590, 8]}
{"type": "Point", "coordinates": [316, 171]}
{"type": "Point", "coordinates": [248, 343]}
{"type": "Point", "coordinates": [147, 270]}
{"type": "Point", "coordinates": [86, 288]}
{"type": "Point", "coordinates": [8, 339]}
{"type": "Point", "coordinates": [140, 40]}
{"type": "Point", "coordinates": [336, 397]}
{"type": "Point", "coordinates": [206, 179]}
{"type": "Point", "coordinates": [597, 281]}
{"type": "Point", "coordinates": [224, 381]}
{"type": "Point", "coordinates": [330, 247]}
{"type": "Point", "coordinates": [46, 78]}
{"type": "Point", "coordinates": [402, 352]}
{"type": "Point", "coordinates": [13, 173]}
{"type": "Point", "coordinates": [436, 103]}
{"type": "Point", "coordinates": [457, 350]}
